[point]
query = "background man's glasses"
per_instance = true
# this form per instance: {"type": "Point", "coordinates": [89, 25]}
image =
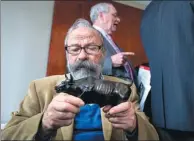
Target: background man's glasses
{"type": "Point", "coordinates": [89, 49]}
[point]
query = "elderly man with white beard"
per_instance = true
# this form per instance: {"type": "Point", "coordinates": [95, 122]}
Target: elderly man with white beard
{"type": "Point", "coordinates": [47, 115]}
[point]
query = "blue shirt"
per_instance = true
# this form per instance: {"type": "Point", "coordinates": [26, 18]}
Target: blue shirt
{"type": "Point", "coordinates": [88, 125]}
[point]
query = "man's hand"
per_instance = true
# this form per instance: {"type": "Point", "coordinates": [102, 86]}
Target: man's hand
{"type": "Point", "coordinates": [119, 59]}
{"type": "Point", "coordinates": [122, 116]}
{"type": "Point", "coordinates": [61, 111]}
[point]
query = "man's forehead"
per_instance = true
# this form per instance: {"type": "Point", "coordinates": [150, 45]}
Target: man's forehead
{"type": "Point", "coordinates": [82, 36]}
{"type": "Point", "coordinates": [84, 33]}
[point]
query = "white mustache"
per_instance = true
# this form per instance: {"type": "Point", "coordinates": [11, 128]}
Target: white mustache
{"type": "Point", "coordinates": [85, 68]}
{"type": "Point", "coordinates": [84, 64]}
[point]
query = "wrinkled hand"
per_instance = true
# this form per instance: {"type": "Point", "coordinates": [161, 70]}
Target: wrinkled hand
{"type": "Point", "coordinates": [119, 59]}
{"type": "Point", "coordinates": [61, 111]}
{"type": "Point", "coordinates": [122, 116]}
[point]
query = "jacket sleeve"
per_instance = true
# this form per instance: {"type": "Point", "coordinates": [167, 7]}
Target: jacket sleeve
{"type": "Point", "coordinates": [146, 130]}
{"type": "Point", "coordinates": [25, 122]}
{"type": "Point", "coordinates": [107, 67]}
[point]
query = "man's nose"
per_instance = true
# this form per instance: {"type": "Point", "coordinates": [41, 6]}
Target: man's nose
{"type": "Point", "coordinates": [83, 55]}
{"type": "Point", "coordinates": [118, 19]}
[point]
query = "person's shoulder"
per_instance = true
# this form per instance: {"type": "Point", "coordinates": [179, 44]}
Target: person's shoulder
{"type": "Point", "coordinates": [47, 82]}
{"type": "Point", "coordinates": [49, 79]}
{"type": "Point", "coordinates": [117, 79]}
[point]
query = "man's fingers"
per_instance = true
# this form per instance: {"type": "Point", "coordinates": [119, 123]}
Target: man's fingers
{"type": "Point", "coordinates": [74, 100]}
{"type": "Point", "coordinates": [64, 115]}
{"type": "Point", "coordinates": [66, 107]}
{"type": "Point", "coordinates": [128, 53]}
{"type": "Point", "coordinates": [121, 114]}
{"type": "Point", "coordinates": [70, 99]}
{"type": "Point", "coordinates": [120, 108]}
{"type": "Point", "coordinates": [107, 108]}
{"type": "Point", "coordinates": [119, 120]}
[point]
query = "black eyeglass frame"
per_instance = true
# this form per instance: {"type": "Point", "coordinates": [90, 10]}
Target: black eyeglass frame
{"type": "Point", "coordinates": [85, 49]}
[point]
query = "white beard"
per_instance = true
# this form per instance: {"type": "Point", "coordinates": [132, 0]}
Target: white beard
{"type": "Point", "coordinates": [84, 69]}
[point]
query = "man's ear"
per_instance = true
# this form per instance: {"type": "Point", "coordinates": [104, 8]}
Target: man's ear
{"type": "Point", "coordinates": [101, 17]}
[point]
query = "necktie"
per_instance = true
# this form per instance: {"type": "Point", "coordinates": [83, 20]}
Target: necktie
{"type": "Point", "coordinates": [126, 65]}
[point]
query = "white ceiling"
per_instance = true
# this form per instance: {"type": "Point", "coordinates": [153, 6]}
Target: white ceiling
{"type": "Point", "coordinates": [136, 4]}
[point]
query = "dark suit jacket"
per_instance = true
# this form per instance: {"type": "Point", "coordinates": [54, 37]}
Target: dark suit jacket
{"type": "Point", "coordinates": [167, 32]}
{"type": "Point", "coordinates": [108, 69]}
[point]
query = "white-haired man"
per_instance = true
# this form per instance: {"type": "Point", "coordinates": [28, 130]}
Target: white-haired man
{"type": "Point", "coordinates": [47, 115]}
{"type": "Point", "coordinates": [105, 19]}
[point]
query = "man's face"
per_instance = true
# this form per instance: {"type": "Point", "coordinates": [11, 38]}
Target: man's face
{"type": "Point", "coordinates": [84, 63]}
{"type": "Point", "coordinates": [111, 20]}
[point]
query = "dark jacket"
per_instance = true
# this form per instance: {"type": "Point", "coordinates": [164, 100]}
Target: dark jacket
{"type": "Point", "coordinates": [167, 32]}
{"type": "Point", "coordinates": [108, 68]}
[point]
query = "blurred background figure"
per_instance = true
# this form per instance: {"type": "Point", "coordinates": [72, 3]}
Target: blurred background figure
{"type": "Point", "coordinates": [105, 19]}
{"type": "Point", "coordinates": [167, 32]}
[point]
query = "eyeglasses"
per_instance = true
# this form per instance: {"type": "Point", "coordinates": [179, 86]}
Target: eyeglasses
{"type": "Point", "coordinates": [89, 49]}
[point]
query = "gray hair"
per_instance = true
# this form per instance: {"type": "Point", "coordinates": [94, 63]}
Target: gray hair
{"type": "Point", "coordinates": [96, 9]}
{"type": "Point", "coordinates": [81, 23]}
{"type": "Point", "coordinates": [78, 23]}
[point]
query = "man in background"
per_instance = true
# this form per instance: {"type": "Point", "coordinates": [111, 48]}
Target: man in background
{"type": "Point", "coordinates": [105, 19]}
{"type": "Point", "coordinates": [167, 32]}
{"type": "Point", "coordinates": [46, 115]}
